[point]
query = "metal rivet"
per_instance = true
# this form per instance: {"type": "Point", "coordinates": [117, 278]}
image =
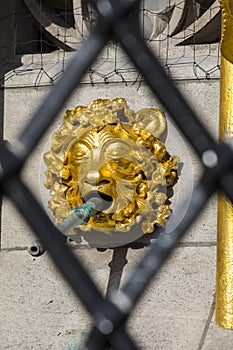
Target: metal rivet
{"type": "Point", "coordinates": [104, 7]}
{"type": "Point", "coordinates": [210, 159]}
{"type": "Point", "coordinates": [106, 326]}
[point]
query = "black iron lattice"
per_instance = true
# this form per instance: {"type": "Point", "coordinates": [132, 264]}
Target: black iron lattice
{"type": "Point", "coordinates": [118, 18]}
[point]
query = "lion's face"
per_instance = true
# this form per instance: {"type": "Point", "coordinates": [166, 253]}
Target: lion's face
{"type": "Point", "coordinates": [95, 153]}
{"type": "Point", "coordinates": [108, 162]}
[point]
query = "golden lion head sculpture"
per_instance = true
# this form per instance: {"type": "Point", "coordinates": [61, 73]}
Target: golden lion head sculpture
{"type": "Point", "coordinates": [108, 149]}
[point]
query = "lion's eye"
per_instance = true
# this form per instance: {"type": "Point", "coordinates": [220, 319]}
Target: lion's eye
{"type": "Point", "coordinates": [81, 154]}
{"type": "Point", "coordinates": [116, 152]}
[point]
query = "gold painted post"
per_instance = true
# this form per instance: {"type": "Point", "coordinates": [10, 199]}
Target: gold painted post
{"type": "Point", "coordinates": [224, 278]}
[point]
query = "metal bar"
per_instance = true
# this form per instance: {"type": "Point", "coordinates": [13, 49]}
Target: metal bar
{"type": "Point", "coordinates": [110, 316]}
{"type": "Point", "coordinates": [95, 337]}
{"type": "Point", "coordinates": [105, 314]}
{"type": "Point", "coordinates": [128, 34]}
{"type": "Point", "coordinates": [200, 139]}
{"type": "Point", "coordinates": [54, 101]}
{"type": "Point", "coordinates": [158, 252]}
{"type": "Point", "coordinates": [73, 74]}
{"type": "Point", "coordinates": [54, 242]}
{"type": "Point", "coordinates": [116, 269]}
{"type": "Point", "coordinates": [119, 338]}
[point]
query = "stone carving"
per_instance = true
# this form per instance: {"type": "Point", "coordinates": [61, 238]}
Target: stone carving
{"type": "Point", "coordinates": [68, 22]}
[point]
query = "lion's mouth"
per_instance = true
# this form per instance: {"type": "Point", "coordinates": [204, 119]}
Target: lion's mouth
{"type": "Point", "coordinates": [104, 201]}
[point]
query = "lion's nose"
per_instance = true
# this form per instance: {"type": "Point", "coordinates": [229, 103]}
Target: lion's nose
{"type": "Point", "coordinates": [92, 177]}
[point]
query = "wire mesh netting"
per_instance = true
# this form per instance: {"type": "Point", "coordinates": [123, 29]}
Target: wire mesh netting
{"type": "Point", "coordinates": [116, 21]}
{"type": "Point", "coordinates": [183, 34]}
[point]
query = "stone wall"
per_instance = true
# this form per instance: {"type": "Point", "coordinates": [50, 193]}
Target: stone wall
{"type": "Point", "coordinates": [37, 309]}
{"type": "Point", "coordinates": [21, 103]}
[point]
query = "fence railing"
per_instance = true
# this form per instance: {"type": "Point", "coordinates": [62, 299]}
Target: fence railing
{"type": "Point", "coordinates": [118, 19]}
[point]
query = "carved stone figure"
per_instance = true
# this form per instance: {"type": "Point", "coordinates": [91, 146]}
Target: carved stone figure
{"type": "Point", "coordinates": [68, 22]}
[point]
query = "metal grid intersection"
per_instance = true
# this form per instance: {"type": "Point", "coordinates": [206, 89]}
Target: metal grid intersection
{"type": "Point", "coordinates": [118, 18]}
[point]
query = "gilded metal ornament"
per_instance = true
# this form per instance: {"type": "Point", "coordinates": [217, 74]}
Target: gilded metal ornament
{"type": "Point", "coordinates": [224, 279]}
{"type": "Point", "coordinates": [107, 149]}
{"type": "Point", "coordinates": [227, 29]}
